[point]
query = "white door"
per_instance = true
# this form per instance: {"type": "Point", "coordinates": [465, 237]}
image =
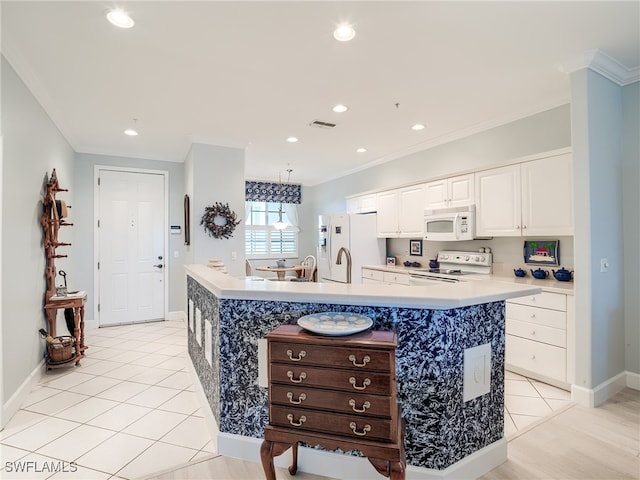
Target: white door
{"type": "Point", "coordinates": [131, 268]}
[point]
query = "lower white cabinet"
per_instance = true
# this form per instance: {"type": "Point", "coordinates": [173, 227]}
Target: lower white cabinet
{"type": "Point", "coordinates": [538, 328]}
{"type": "Point", "coordinates": [384, 277]}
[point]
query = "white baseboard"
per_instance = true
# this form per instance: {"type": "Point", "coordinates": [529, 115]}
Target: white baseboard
{"type": "Point", "coordinates": [593, 397]}
{"type": "Point", "coordinates": [17, 399]}
{"type": "Point", "coordinates": [177, 315]}
{"type": "Point", "coordinates": [346, 467]}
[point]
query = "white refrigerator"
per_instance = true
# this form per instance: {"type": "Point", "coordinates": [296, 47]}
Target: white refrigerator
{"type": "Point", "coordinates": [355, 232]}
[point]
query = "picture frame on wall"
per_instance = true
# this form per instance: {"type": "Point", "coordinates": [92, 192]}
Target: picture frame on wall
{"type": "Point", "coordinates": [542, 252]}
{"type": "Point", "coordinates": [415, 247]}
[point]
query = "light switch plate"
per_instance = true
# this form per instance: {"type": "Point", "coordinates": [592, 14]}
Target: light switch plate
{"type": "Point", "coordinates": [477, 372]}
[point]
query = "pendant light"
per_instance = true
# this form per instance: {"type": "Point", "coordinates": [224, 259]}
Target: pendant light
{"type": "Point", "coordinates": [280, 224]}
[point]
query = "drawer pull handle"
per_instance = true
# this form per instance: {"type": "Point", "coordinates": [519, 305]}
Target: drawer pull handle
{"type": "Point", "coordinates": [303, 396]}
{"type": "Point", "coordinates": [365, 360]}
{"type": "Point", "coordinates": [354, 429]}
{"type": "Point", "coordinates": [365, 383]}
{"type": "Point", "coordinates": [352, 404]}
{"type": "Point", "coordinates": [300, 356]}
{"type": "Point", "coordinates": [296, 380]}
{"type": "Point", "coordinates": [298, 424]}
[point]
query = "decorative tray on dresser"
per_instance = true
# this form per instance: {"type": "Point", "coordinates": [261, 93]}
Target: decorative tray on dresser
{"type": "Point", "coordinates": [335, 392]}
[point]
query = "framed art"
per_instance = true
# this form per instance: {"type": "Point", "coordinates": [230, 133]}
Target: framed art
{"type": "Point", "coordinates": [415, 247]}
{"type": "Point", "coordinates": [542, 252]}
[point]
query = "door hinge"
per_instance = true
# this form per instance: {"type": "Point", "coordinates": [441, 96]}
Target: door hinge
{"type": "Point", "coordinates": [98, 308]}
{"type": "Point", "coordinates": [98, 223]}
{"type": "Point", "coordinates": [98, 265]}
{"type": "Point", "coordinates": [98, 181]}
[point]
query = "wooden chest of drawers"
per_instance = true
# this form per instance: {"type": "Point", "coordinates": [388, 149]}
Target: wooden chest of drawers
{"type": "Point", "coordinates": [336, 392]}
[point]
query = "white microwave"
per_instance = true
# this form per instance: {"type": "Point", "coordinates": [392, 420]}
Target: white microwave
{"type": "Point", "coordinates": [450, 224]}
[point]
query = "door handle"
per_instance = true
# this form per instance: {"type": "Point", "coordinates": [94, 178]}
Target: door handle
{"type": "Point", "coordinates": [159, 265]}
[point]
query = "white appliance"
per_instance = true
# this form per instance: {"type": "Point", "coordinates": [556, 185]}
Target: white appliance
{"type": "Point", "coordinates": [357, 234]}
{"type": "Point", "coordinates": [454, 267]}
{"type": "Point", "coordinates": [450, 224]}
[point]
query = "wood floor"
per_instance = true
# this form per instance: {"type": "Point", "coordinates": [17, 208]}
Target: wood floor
{"type": "Point", "coordinates": [576, 443]}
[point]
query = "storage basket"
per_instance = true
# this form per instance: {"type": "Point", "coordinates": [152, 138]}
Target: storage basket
{"type": "Point", "coordinates": [61, 349]}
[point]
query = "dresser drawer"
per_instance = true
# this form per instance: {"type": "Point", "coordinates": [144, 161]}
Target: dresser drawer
{"type": "Point", "coordinates": [541, 358]}
{"type": "Point", "coordinates": [342, 402]}
{"type": "Point", "coordinates": [376, 275]}
{"type": "Point", "coordinates": [536, 332]}
{"type": "Point", "coordinates": [351, 426]}
{"type": "Point", "coordinates": [540, 316]}
{"type": "Point", "coordinates": [335, 357]}
{"type": "Point", "coordinates": [345, 380]}
{"type": "Point", "coordinates": [555, 301]}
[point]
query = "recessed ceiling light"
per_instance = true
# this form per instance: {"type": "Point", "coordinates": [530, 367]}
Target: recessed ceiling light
{"type": "Point", "coordinates": [417, 126]}
{"type": "Point", "coordinates": [340, 108]}
{"type": "Point", "coordinates": [344, 32]}
{"type": "Point", "coordinates": [361, 150]}
{"type": "Point", "coordinates": [120, 18]}
{"type": "Point", "coordinates": [131, 132]}
{"type": "Point", "coordinates": [292, 139]}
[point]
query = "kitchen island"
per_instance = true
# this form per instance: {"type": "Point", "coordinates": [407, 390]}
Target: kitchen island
{"type": "Point", "coordinates": [445, 436]}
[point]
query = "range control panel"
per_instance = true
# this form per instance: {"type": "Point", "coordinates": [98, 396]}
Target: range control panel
{"type": "Point", "coordinates": [466, 258]}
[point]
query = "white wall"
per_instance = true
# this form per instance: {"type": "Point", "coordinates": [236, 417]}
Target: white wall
{"type": "Point", "coordinates": [32, 148]}
{"type": "Point", "coordinates": [631, 223]}
{"type": "Point", "coordinates": [216, 175]}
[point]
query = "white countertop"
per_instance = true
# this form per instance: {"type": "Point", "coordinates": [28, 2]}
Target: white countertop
{"type": "Point", "coordinates": [547, 285]}
{"type": "Point", "coordinates": [445, 296]}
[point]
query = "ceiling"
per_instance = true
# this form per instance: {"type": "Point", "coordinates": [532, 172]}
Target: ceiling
{"type": "Point", "coordinates": [250, 74]}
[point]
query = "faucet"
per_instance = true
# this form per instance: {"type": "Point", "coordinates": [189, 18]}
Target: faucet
{"type": "Point", "coordinates": [339, 261]}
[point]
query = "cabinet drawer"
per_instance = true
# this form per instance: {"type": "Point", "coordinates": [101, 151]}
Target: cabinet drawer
{"type": "Point", "coordinates": [538, 333]}
{"type": "Point", "coordinates": [399, 278]}
{"type": "Point", "coordinates": [346, 425]}
{"type": "Point", "coordinates": [345, 380]}
{"type": "Point", "coordinates": [537, 357]}
{"type": "Point", "coordinates": [540, 316]}
{"type": "Point", "coordinates": [336, 357]}
{"type": "Point", "coordinates": [376, 275]}
{"type": "Point", "coordinates": [555, 301]}
{"type": "Point", "coordinates": [342, 402]}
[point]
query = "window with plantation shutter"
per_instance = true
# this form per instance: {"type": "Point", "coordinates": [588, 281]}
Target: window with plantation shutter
{"type": "Point", "coordinates": [264, 241]}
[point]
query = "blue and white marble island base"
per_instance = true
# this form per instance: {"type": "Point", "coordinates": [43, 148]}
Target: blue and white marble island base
{"type": "Point", "coordinates": [445, 436]}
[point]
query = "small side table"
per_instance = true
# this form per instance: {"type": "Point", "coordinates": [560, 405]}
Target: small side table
{"type": "Point", "coordinates": [77, 302]}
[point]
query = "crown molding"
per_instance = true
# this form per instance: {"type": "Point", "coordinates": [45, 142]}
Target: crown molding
{"type": "Point", "coordinates": [607, 66]}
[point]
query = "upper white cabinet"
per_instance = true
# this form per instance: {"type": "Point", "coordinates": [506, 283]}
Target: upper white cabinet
{"type": "Point", "coordinates": [450, 192]}
{"type": "Point", "coordinates": [362, 204]}
{"type": "Point", "coordinates": [547, 196]}
{"type": "Point", "coordinates": [531, 198]}
{"type": "Point", "coordinates": [401, 212]}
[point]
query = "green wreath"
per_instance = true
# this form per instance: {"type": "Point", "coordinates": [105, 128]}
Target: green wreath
{"type": "Point", "coordinates": [219, 221]}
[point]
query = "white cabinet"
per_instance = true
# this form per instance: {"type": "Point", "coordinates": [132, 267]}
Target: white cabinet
{"type": "Point", "coordinates": [531, 198]}
{"type": "Point", "coordinates": [401, 212]}
{"type": "Point", "coordinates": [362, 204]}
{"type": "Point", "coordinates": [538, 329]}
{"type": "Point", "coordinates": [384, 277]}
{"type": "Point", "coordinates": [450, 192]}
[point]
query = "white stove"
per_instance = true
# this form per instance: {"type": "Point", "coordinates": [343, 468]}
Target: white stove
{"type": "Point", "coordinates": [454, 267]}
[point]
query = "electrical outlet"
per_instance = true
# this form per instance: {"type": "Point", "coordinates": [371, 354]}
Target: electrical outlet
{"type": "Point", "coordinates": [476, 372]}
{"type": "Point", "coordinates": [604, 265]}
{"type": "Point", "coordinates": [234, 256]}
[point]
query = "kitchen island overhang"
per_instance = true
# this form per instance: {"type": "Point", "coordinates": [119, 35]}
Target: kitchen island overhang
{"type": "Point", "coordinates": [229, 317]}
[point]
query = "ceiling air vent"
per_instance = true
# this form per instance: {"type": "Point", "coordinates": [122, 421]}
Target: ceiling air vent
{"type": "Point", "coordinates": [321, 124]}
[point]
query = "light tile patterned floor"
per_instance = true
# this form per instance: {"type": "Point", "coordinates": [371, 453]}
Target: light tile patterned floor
{"type": "Point", "coordinates": [131, 410]}
{"type": "Point", "coordinates": [527, 400]}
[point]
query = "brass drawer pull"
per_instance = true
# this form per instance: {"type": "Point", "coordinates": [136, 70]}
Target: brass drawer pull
{"type": "Point", "coordinates": [296, 380]}
{"type": "Point", "coordinates": [300, 356]}
{"type": "Point", "coordinates": [353, 426]}
{"type": "Point", "coordinates": [365, 360]}
{"type": "Point", "coordinates": [352, 403]}
{"type": "Point", "coordinates": [365, 383]}
{"type": "Point", "coordinates": [302, 420]}
{"type": "Point", "coordinates": [303, 396]}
